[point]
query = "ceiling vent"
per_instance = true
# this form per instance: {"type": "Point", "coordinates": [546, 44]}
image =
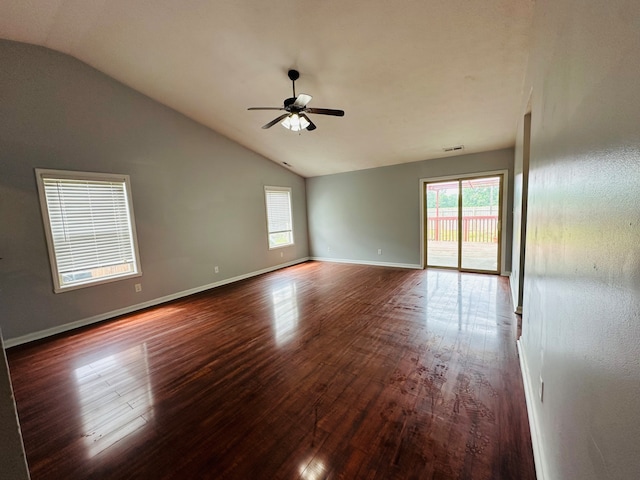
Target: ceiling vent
{"type": "Point", "coordinates": [453, 149]}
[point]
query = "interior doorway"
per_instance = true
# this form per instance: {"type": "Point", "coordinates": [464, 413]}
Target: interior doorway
{"type": "Point", "coordinates": [463, 219]}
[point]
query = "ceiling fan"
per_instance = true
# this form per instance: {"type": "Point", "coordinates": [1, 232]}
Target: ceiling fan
{"type": "Point", "coordinates": [296, 118]}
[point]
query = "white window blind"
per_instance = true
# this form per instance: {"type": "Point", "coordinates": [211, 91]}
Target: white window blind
{"type": "Point", "coordinates": [90, 231]}
{"type": "Point", "coordinates": [279, 223]}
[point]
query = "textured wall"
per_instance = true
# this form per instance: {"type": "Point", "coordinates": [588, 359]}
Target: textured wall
{"type": "Point", "coordinates": [198, 197]}
{"type": "Point", "coordinates": [352, 215]}
{"type": "Point", "coordinates": [582, 286]}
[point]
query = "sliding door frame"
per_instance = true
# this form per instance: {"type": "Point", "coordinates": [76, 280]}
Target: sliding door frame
{"type": "Point", "coordinates": [504, 192]}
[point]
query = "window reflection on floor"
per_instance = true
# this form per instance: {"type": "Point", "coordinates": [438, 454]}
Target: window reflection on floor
{"type": "Point", "coordinates": [115, 397]}
{"type": "Point", "coordinates": [313, 470]}
{"type": "Point", "coordinates": [285, 313]}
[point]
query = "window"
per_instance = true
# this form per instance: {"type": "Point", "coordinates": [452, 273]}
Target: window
{"type": "Point", "coordinates": [89, 225]}
{"type": "Point", "coordinates": [279, 223]}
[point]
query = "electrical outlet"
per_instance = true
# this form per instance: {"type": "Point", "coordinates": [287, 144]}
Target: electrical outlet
{"type": "Point", "coordinates": [541, 389]}
{"type": "Point", "coordinates": [138, 287]}
{"type": "Point", "coordinates": [281, 254]}
{"type": "Point", "coordinates": [328, 249]}
{"type": "Point", "coordinates": [379, 251]}
{"type": "Point", "coordinates": [216, 269]}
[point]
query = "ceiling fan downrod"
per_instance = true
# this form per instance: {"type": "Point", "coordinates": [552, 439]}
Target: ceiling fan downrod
{"type": "Point", "coordinates": [293, 76]}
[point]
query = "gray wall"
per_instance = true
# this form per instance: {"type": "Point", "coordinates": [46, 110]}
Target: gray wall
{"type": "Point", "coordinates": [198, 197]}
{"type": "Point", "coordinates": [352, 215]}
{"type": "Point", "coordinates": [581, 329]}
{"type": "Point", "coordinates": [13, 462]}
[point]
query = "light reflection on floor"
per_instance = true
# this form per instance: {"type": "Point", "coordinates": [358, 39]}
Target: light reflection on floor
{"type": "Point", "coordinates": [313, 470]}
{"type": "Point", "coordinates": [115, 397]}
{"type": "Point", "coordinates": [285, 313]}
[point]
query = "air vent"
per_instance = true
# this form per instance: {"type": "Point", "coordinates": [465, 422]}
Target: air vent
{"type": "Point", "coordinates": [453, 149]}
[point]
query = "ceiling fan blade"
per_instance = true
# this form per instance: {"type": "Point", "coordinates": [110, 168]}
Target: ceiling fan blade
{"type": "Point", "coordinates": [326, 111]}
{"type": "Point", "coordinates": [265, 108]}
{"type": "Point", "coordinates": [302, 100]}
{"type": "Point", "coordinates": [312, 126]}
{"type": "Point", "coordinates": [275, 120]}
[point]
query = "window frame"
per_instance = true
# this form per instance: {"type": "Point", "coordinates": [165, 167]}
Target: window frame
{"type": "Point", "coordinates": [268, 189]}
{"type": "Point", "coordinates": [41, 175]}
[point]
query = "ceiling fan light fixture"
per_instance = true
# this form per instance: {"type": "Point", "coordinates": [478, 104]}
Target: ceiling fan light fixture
{"type": "Point", "coordinates": [295, 117]}
{"type": "Point", "coordinates": [295, 122]}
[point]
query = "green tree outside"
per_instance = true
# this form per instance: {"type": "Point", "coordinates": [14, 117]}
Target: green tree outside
{"type": "Point", "coordinates": [473, 197]}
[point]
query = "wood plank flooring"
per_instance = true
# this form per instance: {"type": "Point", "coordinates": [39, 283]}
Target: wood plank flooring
{"type": "Point", "coordinates": [315, 371]}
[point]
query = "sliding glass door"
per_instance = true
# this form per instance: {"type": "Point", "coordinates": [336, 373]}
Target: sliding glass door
{"type": "Point", "coordinates": [480, 223]}
{"type": "Point", "coordinates": [442, 224]}
{"type": "Point", "coordinates": [463, 224]}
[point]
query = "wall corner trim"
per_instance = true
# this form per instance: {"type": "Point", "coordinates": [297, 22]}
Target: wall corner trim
{"type": "Point", "coordinates": [512, 289]}
{"type": "Point", "coordinates": [536, 439]}
{"type": "Point", "coordinates": [8, 343]}
{"type": "Point", "coordinates": [414, 266]}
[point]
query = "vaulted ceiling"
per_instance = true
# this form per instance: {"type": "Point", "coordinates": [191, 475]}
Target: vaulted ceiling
{"type": "Point", "coordinates": [413, 76]}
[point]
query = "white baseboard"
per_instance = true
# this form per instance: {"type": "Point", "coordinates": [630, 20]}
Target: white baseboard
{"type": "Point", "coordinates": [367, 262]}
{"type": "Point", "coordinates": [530, 398]}
{"type": "Point", "coordinates": [12, 342]}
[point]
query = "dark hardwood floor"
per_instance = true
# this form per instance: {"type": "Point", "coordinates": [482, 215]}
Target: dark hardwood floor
{"type": "Point", "coordinates": [316, 371]}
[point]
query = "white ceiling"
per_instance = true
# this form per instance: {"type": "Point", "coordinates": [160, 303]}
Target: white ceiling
{"type": "Point", "coordinates": [413, 76]}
